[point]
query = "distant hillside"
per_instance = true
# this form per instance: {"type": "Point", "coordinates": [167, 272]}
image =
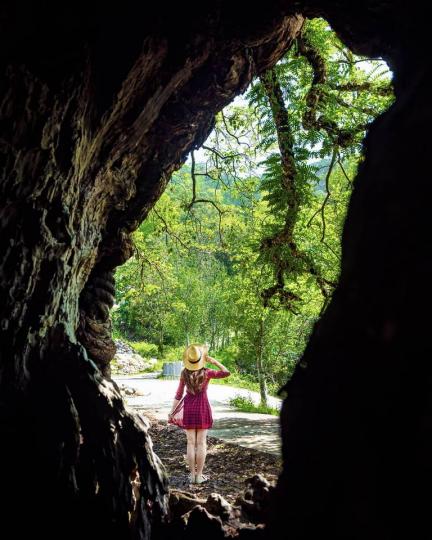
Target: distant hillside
{"type": "Point", "coordinates": [206, 184]}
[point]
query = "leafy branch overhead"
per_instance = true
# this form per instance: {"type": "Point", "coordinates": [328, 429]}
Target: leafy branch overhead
{"type": "Point", "coordinates": [243, 248]}
{"type": "Point", "coordinates": [316, 104]}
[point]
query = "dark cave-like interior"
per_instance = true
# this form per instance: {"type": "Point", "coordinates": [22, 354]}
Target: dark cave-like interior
{"type": "Point", "coordinates": [99, 105]}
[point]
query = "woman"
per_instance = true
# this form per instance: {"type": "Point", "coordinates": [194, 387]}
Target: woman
{"type": "Point", "coordinates": [193, 413]}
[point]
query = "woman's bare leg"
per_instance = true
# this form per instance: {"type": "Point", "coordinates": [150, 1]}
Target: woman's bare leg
{"type": "Point", "coordinates": [191, 452]}
{"type": "Point", "coordinates": [201, 451]}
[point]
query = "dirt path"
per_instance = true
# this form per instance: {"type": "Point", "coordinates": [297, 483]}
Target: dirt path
{"type": "Point", "coordinates": [249, 430]}
{"type": "Point", "coordinates": [227, 465]}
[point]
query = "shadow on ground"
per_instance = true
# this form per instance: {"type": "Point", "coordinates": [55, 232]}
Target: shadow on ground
{"type": "Point", "coordinates": [249, 432]}
{"type": "Point", "coordinates": [228, 465]}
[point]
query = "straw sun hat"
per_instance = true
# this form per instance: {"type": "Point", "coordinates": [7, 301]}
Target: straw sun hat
{"type": "Point", "coordinates": [194, 357]}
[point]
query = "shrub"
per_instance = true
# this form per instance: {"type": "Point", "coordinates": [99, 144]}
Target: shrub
{"type": "Point", "coordinates": [173, 354]}
{"type": "Point", "coordinates": [246, 381]}
{"type": "Point", "coordinates": [145, 349]}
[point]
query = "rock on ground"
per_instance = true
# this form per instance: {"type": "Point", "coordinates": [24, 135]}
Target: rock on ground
{"type": "Point", "coordinates": [127, 360]}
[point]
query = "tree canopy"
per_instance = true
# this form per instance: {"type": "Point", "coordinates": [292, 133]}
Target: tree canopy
{"type": "Point", "coordinates": [243, 248]}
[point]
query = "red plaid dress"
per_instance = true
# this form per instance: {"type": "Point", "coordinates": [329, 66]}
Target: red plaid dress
{"type": "Point", "coordinates": [194, 411]}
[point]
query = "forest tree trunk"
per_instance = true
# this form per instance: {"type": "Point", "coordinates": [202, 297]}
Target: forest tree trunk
{"type": "Point", "coordinates": [259, 363]}
{"type": "Point", "coordinates": [161, 346]}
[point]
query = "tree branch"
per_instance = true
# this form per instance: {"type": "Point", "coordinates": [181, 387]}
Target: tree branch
{"type": "Point", "coordinates": [368, 86]}
{"type": "Point", "coordinates": [167, 230]}
{"type": "Point", "coordinates": [221, 156]}
{"type": "Point", "coordinates": [195, 200]}
{"type": "Point", "coordinates": [327, 197]}
{"type": "Point", "coordinates": [343, 170]}
{"type": "Point", "coordinates": [315, 97]}
{"type": "Point", "coordinates": [233, 135]}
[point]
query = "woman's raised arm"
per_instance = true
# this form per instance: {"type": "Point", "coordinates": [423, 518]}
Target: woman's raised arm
{"type": "Point", "coordinates": [215, 374]}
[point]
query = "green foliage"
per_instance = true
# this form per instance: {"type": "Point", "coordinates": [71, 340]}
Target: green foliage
{"type": "Point", "coordinates": [173, 354]}
{"type": "Point", "coordinates": [199, 271]}
{"type": "Point", "coordinates": [157, 367]}
{"type": "Point", "coordinates": [246, 404]}
{"type": "Point", "coordinates": [245, 380]}
{"type": "Point", "coordinates": [145, 349]}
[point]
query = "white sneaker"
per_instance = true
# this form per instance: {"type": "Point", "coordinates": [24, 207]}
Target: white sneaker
{"type": "Point", "coordinates": [200, 478]}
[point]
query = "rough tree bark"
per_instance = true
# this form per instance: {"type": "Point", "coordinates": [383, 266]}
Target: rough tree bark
{"type": "Point", "coordinates": [98, 106]}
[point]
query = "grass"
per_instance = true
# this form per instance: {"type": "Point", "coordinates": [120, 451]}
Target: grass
{"type": "Point", "coordinates": [243, 381]}
{"type": "Point", "coordinates": [246, 404]}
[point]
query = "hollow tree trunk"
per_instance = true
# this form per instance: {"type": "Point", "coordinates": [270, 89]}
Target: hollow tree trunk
{"type": "Point", "coordinates": [356, 426]}
{"type": "Point", "coordinates": [98, 106]}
